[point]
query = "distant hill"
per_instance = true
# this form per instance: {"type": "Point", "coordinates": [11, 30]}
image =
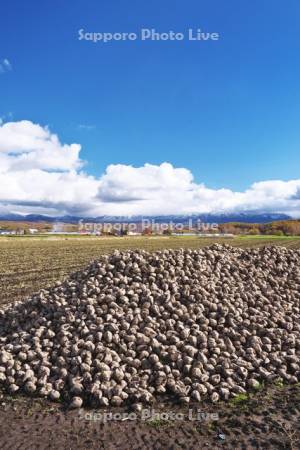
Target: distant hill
{"type": "Point", "coordinates": [248, 217]}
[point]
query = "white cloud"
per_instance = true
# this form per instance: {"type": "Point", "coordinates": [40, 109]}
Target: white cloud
{"type": "Point", "coordinates": [165, 189]}
{"type": "Point", "coordinates": [26, 146]}
{"type": "Point", "coordinates": [40, 174]}
{"type": "Point", "coordinates": [5, 65]}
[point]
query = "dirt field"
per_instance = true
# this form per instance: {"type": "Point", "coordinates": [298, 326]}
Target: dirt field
{"type": "Point", "coordinates": [268, 419]}
{"type": "Point", "coordinates": [28, 264]}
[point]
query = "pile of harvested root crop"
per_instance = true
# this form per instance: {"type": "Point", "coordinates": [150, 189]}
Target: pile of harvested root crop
{"type": "Point", "coordinates": [191, 324]}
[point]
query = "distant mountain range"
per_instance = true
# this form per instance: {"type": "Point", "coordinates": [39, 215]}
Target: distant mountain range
{"type": "Point", "coordinates": [248, 217]}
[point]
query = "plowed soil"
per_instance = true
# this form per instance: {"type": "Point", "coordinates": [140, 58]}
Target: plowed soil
{"type": "Point", "coordinates": [268, 419]}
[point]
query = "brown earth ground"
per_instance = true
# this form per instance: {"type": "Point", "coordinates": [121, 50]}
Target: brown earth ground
{"type": "Point", "coordinates": [28, 264]}
{"type": "Point", "coordinates": [266, 419]}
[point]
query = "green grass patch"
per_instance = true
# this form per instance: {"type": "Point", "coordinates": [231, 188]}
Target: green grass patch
{"type": "Point", "coordinates": [158, 423]}
{"type": "Point", "coordinates": [239, 399]}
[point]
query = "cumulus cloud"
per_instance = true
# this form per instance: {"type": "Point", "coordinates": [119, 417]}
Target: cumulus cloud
{"type": "Point", "coordinates": [26, 146]}
{"type": "Point", "coordinates": [164, 189]}
{"type": "Point", "coordinates": [5, 65]}
{"type": "Point", "coordinates": [39, 174]}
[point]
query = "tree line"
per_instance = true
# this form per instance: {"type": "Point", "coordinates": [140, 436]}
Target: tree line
{"type": "Point", "coordinates": [278, 228]}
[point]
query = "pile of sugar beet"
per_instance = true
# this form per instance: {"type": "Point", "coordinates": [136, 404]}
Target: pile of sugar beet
{"type": "Point", "coordinates": [134, 327]}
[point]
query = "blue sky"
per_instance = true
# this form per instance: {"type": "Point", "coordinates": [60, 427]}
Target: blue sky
{"type": "Point", "coordinates": [228, 110]}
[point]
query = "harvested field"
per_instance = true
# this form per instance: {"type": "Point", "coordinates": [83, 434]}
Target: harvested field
{"type": "Point", "coordinates": [265, 417]}
{"type": "Point", "coordinates": [266, 420]}
{"type": "Point", "coordinates": [28, 264]}
{"type": "Point", "coordinates": [206, 324]}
